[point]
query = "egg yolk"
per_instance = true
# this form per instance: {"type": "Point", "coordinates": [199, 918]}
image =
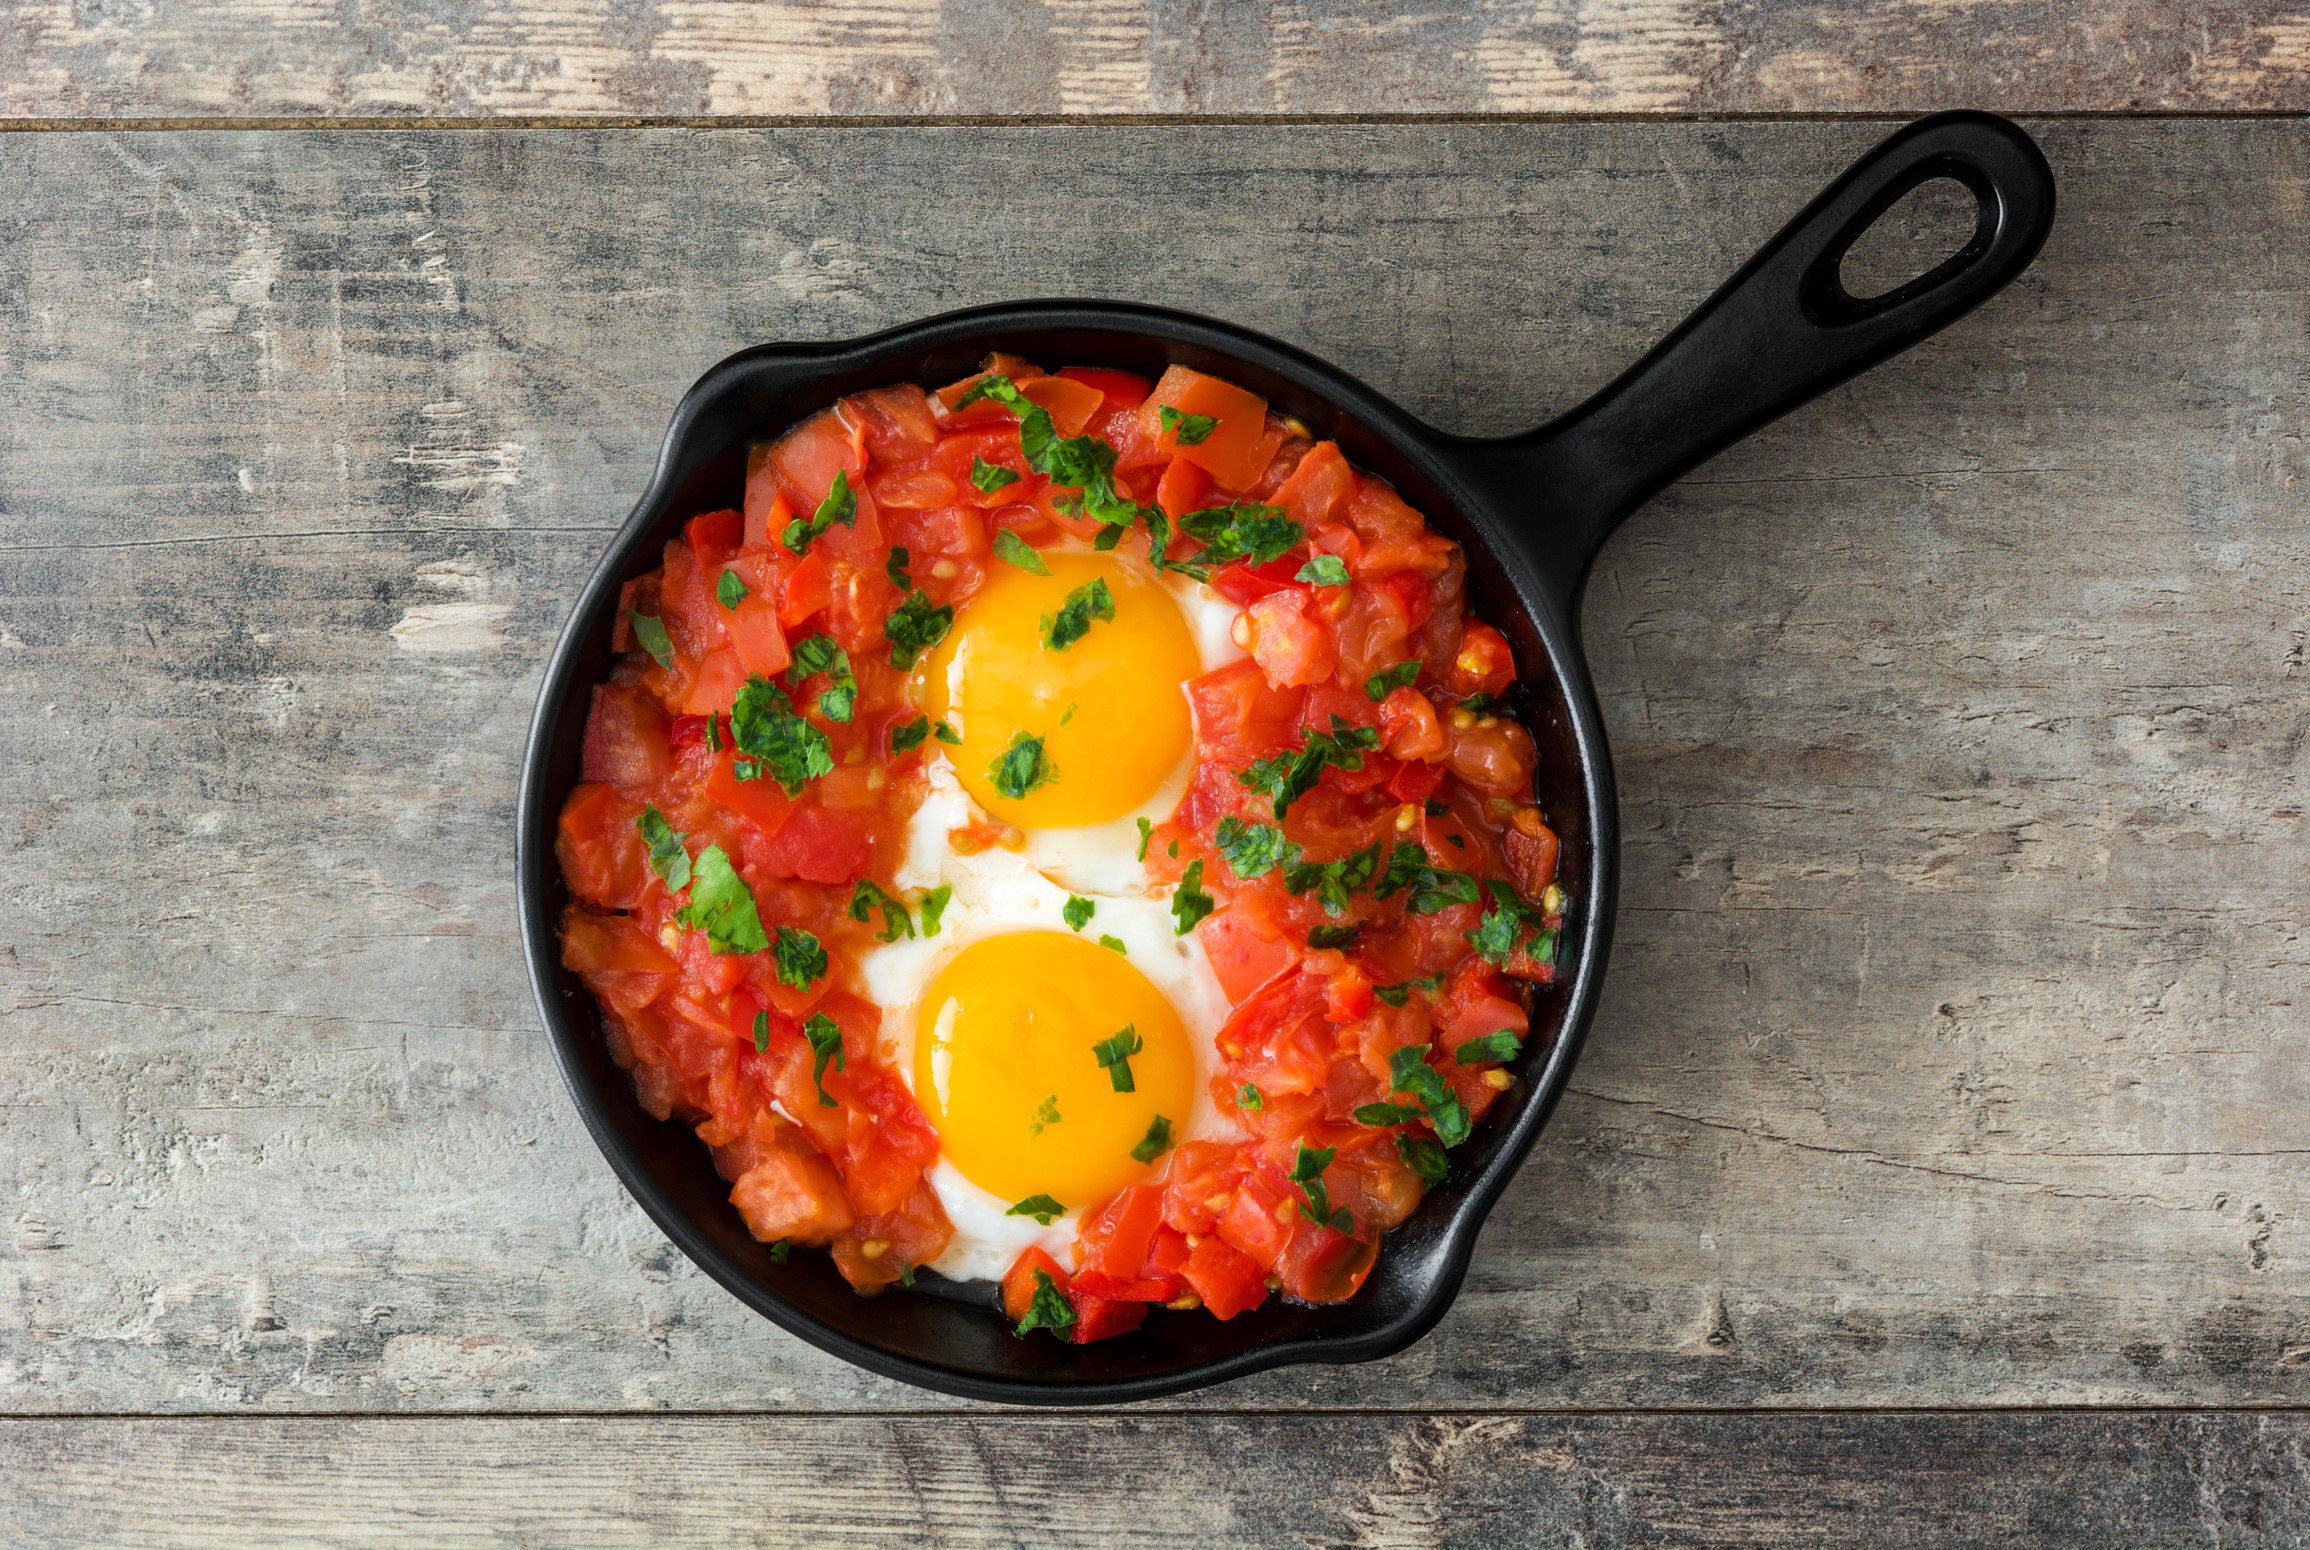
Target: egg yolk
{"type": "Point", "coordinates": [1107, 707]}
{"type": "Point", "coordinates": [1007, 1066]}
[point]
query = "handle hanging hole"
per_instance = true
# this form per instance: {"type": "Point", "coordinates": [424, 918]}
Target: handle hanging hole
{"type": "Point", "coordinates": [1925, 228]}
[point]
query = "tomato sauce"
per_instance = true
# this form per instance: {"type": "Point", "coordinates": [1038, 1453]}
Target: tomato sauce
{"type": "Point", "coordinates": [1359, 817]}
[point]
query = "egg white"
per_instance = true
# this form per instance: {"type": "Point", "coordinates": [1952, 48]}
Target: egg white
{"type": "Point", "coordinates": [999, 891]}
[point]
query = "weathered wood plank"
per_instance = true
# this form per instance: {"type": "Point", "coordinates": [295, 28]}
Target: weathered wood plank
{"type": "Point", "coordinates": [2052, 1482]}
{"type": "Point", "coordinates": [1951, 1050]}
{"type": "Point", "coordinates": [260, 58]}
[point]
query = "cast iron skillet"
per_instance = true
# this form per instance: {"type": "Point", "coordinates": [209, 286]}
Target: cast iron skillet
{"type": "Point", "coordinates": [1532, 510]}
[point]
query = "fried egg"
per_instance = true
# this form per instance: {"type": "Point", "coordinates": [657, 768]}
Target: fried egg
{"type": "Point", "coordinates": [1110, 708]}
{"type": "Point", "coordinates": [997, 1023]}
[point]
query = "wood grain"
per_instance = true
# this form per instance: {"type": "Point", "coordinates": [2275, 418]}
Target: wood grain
{"type": "Point", "coordinates": [1951, 1054]}
{"type": "Point", "coordinates": [807, 58]}
{"type": "Point", "coordinates": [1602, 1483]}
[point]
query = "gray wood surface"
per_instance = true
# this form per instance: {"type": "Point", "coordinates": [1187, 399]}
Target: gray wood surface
{"type": "Point", "coordinates": [1596, 1482]}
{"type": "Point", "coordinates": [811, 58]}
{"type": "Point", "coordinates": [1951, 1052]}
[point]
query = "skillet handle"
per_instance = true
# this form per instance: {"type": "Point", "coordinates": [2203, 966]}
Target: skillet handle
{"type": "Point", "coordinates": [1780, 332]}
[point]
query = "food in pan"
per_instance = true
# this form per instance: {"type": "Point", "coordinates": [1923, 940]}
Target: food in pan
{"type": "Point", "coordinates": [1061, 832]}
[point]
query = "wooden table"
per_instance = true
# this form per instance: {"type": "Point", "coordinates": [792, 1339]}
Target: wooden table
{"type": "Point", "coordinates": [1937, 1168]}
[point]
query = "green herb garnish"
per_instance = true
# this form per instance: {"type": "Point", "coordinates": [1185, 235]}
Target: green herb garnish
{"type": "Point", "coordinates": [722, 906]}
{"type": "Point", "coordinates": [869, 896]}
{"type": "Point", "coordinates": [1087, 603]}
{"type": "Point", "coordinates": [1189, 430]}
{"type": "Point", "coordinates": [1115, 943]}
{"type": "Point", "coordinates": [1397, 995]}
{"type": "Point", "coordinates": [1077, 911]}
{"type": "Point", "coordinates": [779, 1250]}
{"type": "Point", "coordinates": [814, 654]}
{"type": "Point", "coordinates": [933, 906]}
{"type": "Point", "coordinates": [825, 1044]}
{"type": "Point", "coordinates": [1432, 888]}
{"type": "Point", "coordinates": [1381, 684]}
{"type": "Point", "coordinates": [908, 738]}
{"type": "Point", "coordinates": [1286, 777]}
{"type": "Point", "coordinates": [1156, 1143]}
{"type": "Point", "coordinates": [1083, 463]}
{"type": "Point", "coordinates": [1333, 881]}
{"type": "Point", "coordinates": [1325, 570]}
{"type": "Point", "coordinates": [1190, 904]}
{"type": "Point", "coordinates": [1504, 1045]}
{"type": "Point", "coordinates": [1335, 936]}
{"type": "Point", "coordinates": [799, 957]}
{"type": "Point", "coordinates": [1425, 1157]}
{"type": "Point", "coordinates": [1245, 531]}
{"type": "Point", "coordinates": [947, 735]}
{"type": "Point", "coordinates": [895, 568]}
{"type": "Point", "coordinates": [1307, 1173]}
{"type": "Point", "coordinates": [1409, 1071]}
{"type": "Point", "coordinates": [1385, 1114]}
{"type": "Point", "coordinates": [914, 627]}
{"type": "Point", "coordinates": [1114, 1057]}
{"type": "Point", "coordinates": [840, 505]}
{"type": "Point", "coordinates": [1250, 1097]}
{"type": "Point", "coordinates": [1021, 768]}
{"type": "Point", "coordinates": [990, 477]}
{"type": "Point", "coordinates": [667, 856]}
{"type": "Point", "coordinates": [1050, 1309]}
{"type": "Point", "coordinates": [1146, 833]}
{"type": "Point", "coordinates": [1042, 1208]}
{"type": "Point", "coordinates": [730, 591]}
{"type": "Point", "coordinates": [1495, 936]}
{"type": "Point", "coordinates": [761, 1032]}
{"type": "Point", "coordinates": [1046, 1115]}
{"type": "Point", "coordinates": [1253, 849]}
{"type": "Point", "coordinates": [766, 729]}
{"type": "Point", "coordinates": [651, 632]}
{"type": "Point", "coordinates": [1010, 546]}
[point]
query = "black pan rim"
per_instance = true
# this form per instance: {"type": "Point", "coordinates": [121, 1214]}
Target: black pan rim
{"type": "Point", "coordinates": [1432, 452]}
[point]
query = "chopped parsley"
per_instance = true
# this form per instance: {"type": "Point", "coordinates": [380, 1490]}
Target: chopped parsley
{"type": "Point", "coordinates": [1504, 1045]}
{"type": "Point", "coordinates": [799, 956]}
{"type": "Point", "coordinates": [1010, 546]}
{"type": "Point", "coordinates": [1077, 911]}
{"type": "Point", "coordinates": [840, 505]}
{"type": "Point", "coordinates": [730, 591]}
{"type": "Point", "coordinates": [1252, 849]}
{"type": "Point", "coordinates": [933, 906]}
{"type": "Point", "coordinates": [1190, 904]}
{"type": "Point", "coordinates": [1116, 943]}
{"type": "Point", "coordinates": [914, 627]}
{"type": "Point", "coordinates": [761, 1032]}
{"type": "Point", "coordinates": [778, 1251]}
{"type": "Point", "coordinates": [651, 632]}
{"type": "Point", "coordinates": [1425, 1157]}
{"type": "Point", "coordinates": [1495, 937]}
{"type": "Point", "coordinates": [869, 896]}
{"type": "Point", "coordinates": [1307, 1173]}
{"type": "Point", "coordinates": [1432, 888]}
{"type": "Point", "coordinates": [1286, 777]}
{"type": "Point", "coordinates": [1046, 1115]}
{"type": "Point", "coordinates": [714, 733]}
{"type": "Point", "coordinates": [1335, 936]}
{"type": "Point", "coordinates": [1250, 1097]}
{"type": "Point", "coordinates": [814, 654]}
{"type": "Point", "coordinates": [1156, 1143]}
{"type": "Point", "coordinates": [1021, 768]}
{"type": "Point", "coordinates": [947, 735]}
{"type": "Point", "coordinates": [1397, 995]}
{"type": "Point", "coordinates": [1146, 833]}
{"type": "Point", "coordinates": [1478, 704]}
{"type": "Point", "coordinates": [667, 856]}
{"type": "Point", "coordinates": [722, 906]}
{"type": "Point", "coordinates": [895, 568]}
{"type": "Point", "coordinates": [1325, 570]}
{"type": "Point", "coordinates": [1049, 1310]}
{"type": "Point", "coordinates": [1087, 603]}
{"type": "Point", "coordinates": [1409, 1072]}
{"type": "Point", "coordinates": [1083, 463]}
{"type": "Point", "coordinates": [1333, 881]}
{"type": "Point", "coordinates": [908, 738]}
{"type": "Point", "coordinates": [1114, 1057]}
{"type": "Point", "coordinates": [766, 729]}
{"type": "Point", "coordinates": [1189, 430]}
{"type": "Point", "coordinates": [1245, 531]}
{"type": "Point", "coordinates": [825, 1044]}
{"type": "Point", "coordinates": [1043, 1209]}
{"type": "Point", "coordinates": [1385, 1114]}
{"type": "Point", "coordinates": [1381, 684]}
{"type": "Point", "coordinates": [990, 477]}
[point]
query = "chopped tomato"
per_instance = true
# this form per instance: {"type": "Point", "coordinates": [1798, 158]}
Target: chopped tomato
{"type": "Point", "coordinates": [1235, 450]}
{"type": "Point", "coordinates": [625, 741]}
{"type": "Point", "coordinates": [621, 943]}
{"type": "Point", "coordinates": [1069, 402]}
{"type": "Point", "coordinates": [1019, 1284]}
{"type": "Point", "coordinates": [1246, 951]}
{"type": "Point", "coordinates": [603, 855]}
{"type": "Point", "coordinates": [1115, 1238]}
{"type": "Point", "coordinates": [818, 846]}
{"type": "Point", "coordinates": [1289, 641]}
{"type": "Point", "coordinates": [1101, 1318]}
{"type": "Point", "coordinates": [1118, 389]}
{"type": "Point", "coordinates": [1227, 1279]}
{"type": "Point", "coordinates": [792, 1193]}
{"type": "Point", "coordinates": [806, 590]}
